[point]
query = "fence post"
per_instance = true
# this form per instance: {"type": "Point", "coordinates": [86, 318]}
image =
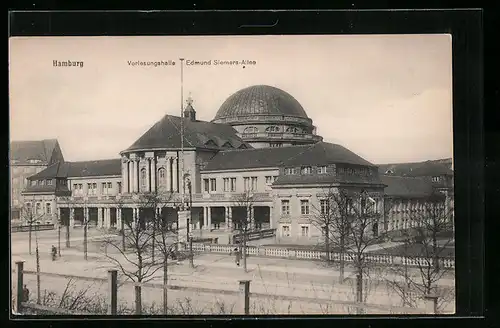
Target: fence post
{"type": "Point", "coordinates": [245, 290]}
{"type": "Point", "coordinates": [19, 298]}
{"type": "Point", "coordinates": [113, 292]}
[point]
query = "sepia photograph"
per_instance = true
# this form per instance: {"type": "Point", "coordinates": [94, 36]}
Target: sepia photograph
{"type": "Point", "coordinates": [232, 175]}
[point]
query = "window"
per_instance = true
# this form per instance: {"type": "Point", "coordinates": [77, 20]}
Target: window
{"type": "Point", "coordinates": [94, 188]}
{"type": "Point", "coordinates": [89, 188]}
{"type": "Point", "coordinates": [75, 186]}
{"type": "Point", "coordinates": [213, 185]}
{"type": "Point", "coordinates": [321, 169]}
{"type": "Point", "coordinates": [233, 184]}
{"type": "Point", "coordinates": [304, 207]}
{"type": "Point", "coordinates": [285, 207]}
{"type": "Point", "coordinates": [285, 231]}
{"type": "Point", "coordinates": [143, 178]}
{"type": "Point", "coordinates": [162, 181]}
{"type": "Point", "coordinates": [254, 183]}
{"type": "Point", "coordinates": [275, 144]}
{"type": "Point", "coordinates": [435, 179]}
{"type": "Point", "coordinates": [119, 184]}
{"type": "Point", "coordinates": [306, 170]}
{"type": "Point", "coordinates": [49, 182]}
{"type": "Point", "coordinates": [304, 231]}
{"type": "Point", "coordinates": [269, 180]}
{"type": "Point", "coordinates": [104, 189]}
{"type": "Point", "coordinates": [48, 208]}
{"type": "Point", "coordinates": [28, 208]}
{"type": "Point", "coordinates": [324, 206]}
{"type": "Point", "coordinates": [289, 171]}
{"type": "Point", "coordinates": [109, 185]}
{"type": "Point", "coordinates": [206, 185]}
{"type": "Point", "coordinates": [292, 130]}
{"type": "Point", "coordinates": [246, 183]}
{"type": "Point", "coordinates": [41, 182]}
{"type": "Point", "coordinates": [250, 129]}
{"type": "Point", "coordinates": [38, 208]}
{"type": "Point", "coordinates": [226, 184]}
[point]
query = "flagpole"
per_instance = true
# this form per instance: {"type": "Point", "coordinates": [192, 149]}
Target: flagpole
{"type": "Point", "coordinates": [182, 133]}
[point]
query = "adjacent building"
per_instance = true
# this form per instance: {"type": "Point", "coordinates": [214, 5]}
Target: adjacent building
{"type": "Point", "coordinates": [26, 159]}
{"type": "Point", "coordinates": [261, 143]}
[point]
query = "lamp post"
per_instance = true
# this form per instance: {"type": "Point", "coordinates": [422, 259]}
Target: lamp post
{"type": "Point", "coordinates": [190, 237]}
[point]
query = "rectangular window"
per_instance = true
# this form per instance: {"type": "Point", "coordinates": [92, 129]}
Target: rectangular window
{"type": "Point", "coordinates": [104, 189]}
{"type": "Point", "coordinates": [246, 183]}
{"type": "Point", "coordinates": [254, 183]}
{"type": "Point", "coordinates": [206, 185]}
{"type": "Point", "coordinates": [285, 207]}
{"type": "Point", "coordinates": [109, 185]}
{"type": "Point", "coordinates": [38, 208]}
{"type": "Point", "coordinates": [285, 231]}
{"type": "Point", "coordinates": [226, 184]}
{"type": "Point", "coordinates": [49, 182]}
{"type": "Point", "coordinates": [233, 184]}
{"type": "Point", "coordinates": [89, 188]}
{"type": "Point", "coordinates": [48, 208]}
{"type": "Point", "coordinates": [304, 231]}
{"type": "Point", "coordinates": [213, 185]}
{"type": "Point", "coordinates": [304, 207]}
{"type": "Point", "coordinates": [28, 208]}
{"type": "Point", "coordinates": [42, 182]}
{"type": "Point", "coordinates": [75, 186]}
{"type": "Point", "coordinates": [306, 170]}
{"type": "Point", "coordinates": [119, 184]}
{"type": "Point", "coordinates": [269, 180]}
{"type": "Point", "coordinates": [325, 209]}
{"type": "Point", "coordinates": [290, 171]}
{"type": "Point", "coordinates": [321, 169]}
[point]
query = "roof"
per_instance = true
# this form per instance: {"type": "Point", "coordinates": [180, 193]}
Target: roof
{"type": "Point", "coordinates": [104, 167]}
{"type": "Point", "coordinates": [307, 179]}
{"type": "Point", "coordinates": [23, 151]}
{"type": "Point", "coordinates": [407, 187]}
{"type": "Point", "coordinates": [416, 169]}
{"type": "Point", "coordinates": [260, 100]}
{"type": "Point", "coordinates": [165, 134]}
{"type": "Point", "coordinates": [321, 153]}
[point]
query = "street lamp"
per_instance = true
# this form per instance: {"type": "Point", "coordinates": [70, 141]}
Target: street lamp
{"type": "Point", "coordinates": [189, 233]}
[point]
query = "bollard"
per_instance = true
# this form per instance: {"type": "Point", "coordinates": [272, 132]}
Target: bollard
{"type": "Point", "coordinates": [245, 290]}
{"type": "Point", "coordinates": [113, 292]}
{"type": "Point", "coordinates": [431, 303]}
{"type": "Point", "coordinates": [19, 298]}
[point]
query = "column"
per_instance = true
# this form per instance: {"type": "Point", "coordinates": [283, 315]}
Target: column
{"type": "Point", "coordinates": [135, 216]}
{"type": "Point", "coordinates": [226, 216]}
{"type": "Point", "coordinates": [137, 175]}
{"type": "Point", "coordinates": [169, 172]}
{"type": "Point", "coordinates": [209, 218]}
{"type": "Point", "coordinates": [125, 177]}
{"type": "Point", "coordinates": [175, 175]}
{"type": "Point", "coordinates": [230, 217]}
{"type": "Point", "coordinates": [107, 217]}
{"type": "Point", "coordinates": [86, 215]}
{"type": "Point", "coordinates": [118, 218]}
{"type": "Point", "coordinates": [71, 217]}
{"type": "Point", "coordinates": [153, 174]}
{"type": "Point", "coordinates": [132, 176]}
{"type": "Point", "coordinates": [148, 174]}
{"type": "Point", "coordinates": [100, 217]}
{"type": "Point", "coordinates": [252, 217]}
{"type": "Point", "coordinates": [205, 217]}
{"type": "Point", "coordinates": [270, 217]}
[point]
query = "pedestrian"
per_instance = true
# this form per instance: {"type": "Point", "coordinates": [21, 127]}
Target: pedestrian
{"type": "Point", "coordinates": [54, 253]}
{"type": "Point", "coordinates": [26, 294]}
{"type": "Point", "coordinates": [237, 255]}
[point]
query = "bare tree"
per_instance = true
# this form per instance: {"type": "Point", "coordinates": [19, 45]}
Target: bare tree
{"type": "Point", "coordinates": [331, 218]}
{"type": "Point", "coordinates": [31, 216]}
{"type": "Point", "coordinates": [243, 223]}
{"type": "Point", "coordinates": [147, 231]}
{"type": "Point", "coordinates": [426, 240]}
{"type": "Point", "coordinates": [349, 225]}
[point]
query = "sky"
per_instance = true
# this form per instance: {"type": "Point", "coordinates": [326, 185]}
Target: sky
{"type": "Point", "coordinates": [387, 98]}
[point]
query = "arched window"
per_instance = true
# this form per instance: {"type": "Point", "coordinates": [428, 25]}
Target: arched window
{"type": "Point", "coordinates": [292, 130]}
{"type": "Point", "coordinates": [143, 178]}
{"type": "Point", "coordinates": [250, 129]}
{"type": "Point", "coordinates": [273, 129]}
{"type": "Point", "coordinates": [162, 177]}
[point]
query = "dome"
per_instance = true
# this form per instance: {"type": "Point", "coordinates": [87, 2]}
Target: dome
{"type": "Point", "coordinates": [260, 100]}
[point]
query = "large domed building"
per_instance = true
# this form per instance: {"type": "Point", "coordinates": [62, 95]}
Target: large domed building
{"type": "Point", "coordinates": [265, 116]}
{"type": "Point", "coordinates": [240, 152]}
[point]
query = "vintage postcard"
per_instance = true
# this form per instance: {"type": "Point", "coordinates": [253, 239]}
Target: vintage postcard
{"type": "Point", "coordinates": [229, 175]}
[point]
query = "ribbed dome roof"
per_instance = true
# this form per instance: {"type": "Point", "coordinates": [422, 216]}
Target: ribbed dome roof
{"type": "Point", "coordinates": [260, 100]}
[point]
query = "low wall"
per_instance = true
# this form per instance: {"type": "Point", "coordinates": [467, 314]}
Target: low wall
{"type": "Point", "coordinates": [300, 254]}
{"type": "Point", "coordinates": [34, 227]}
